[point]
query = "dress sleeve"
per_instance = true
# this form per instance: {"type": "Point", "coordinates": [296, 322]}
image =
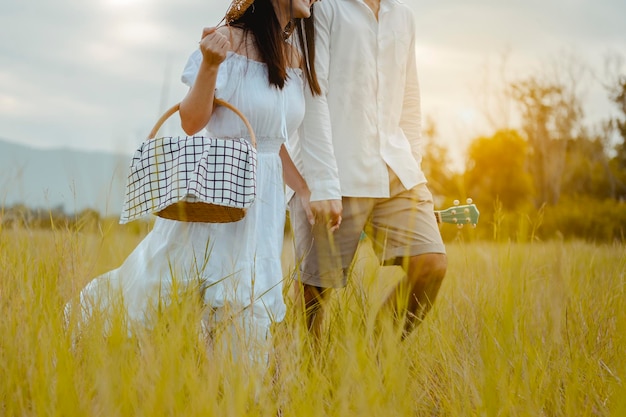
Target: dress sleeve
{"type": "Point", "coordinates": [190, 72]}
{"type": "Point", "coordinates": [225, 83]}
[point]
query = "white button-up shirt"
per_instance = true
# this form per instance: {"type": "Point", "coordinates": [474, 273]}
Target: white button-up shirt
{"type": "Point", "coordinates": [368, 115]}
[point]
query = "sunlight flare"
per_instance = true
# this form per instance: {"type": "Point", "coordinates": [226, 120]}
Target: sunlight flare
{"type": "Point", "coordinates": [122, 3]}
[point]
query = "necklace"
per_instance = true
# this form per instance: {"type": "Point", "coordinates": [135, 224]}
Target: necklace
{"type": "Point", "coordinates": [288, 30]}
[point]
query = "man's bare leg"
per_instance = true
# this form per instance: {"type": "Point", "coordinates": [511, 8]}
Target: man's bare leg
{"type": "Point", "coordinates": [414, 296]}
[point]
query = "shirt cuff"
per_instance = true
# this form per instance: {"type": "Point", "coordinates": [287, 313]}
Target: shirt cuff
{"type": "Point", "coordinates": [325, 190]}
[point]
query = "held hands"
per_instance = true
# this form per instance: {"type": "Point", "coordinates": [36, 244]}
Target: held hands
{"type": "Point", "coordinates": [327, 211]}
{"type": "Point", "coordinates": [321, 212]}
{"type": "Point", "coordinates": [214, 46]}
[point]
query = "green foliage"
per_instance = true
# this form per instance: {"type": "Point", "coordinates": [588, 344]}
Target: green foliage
{"type": "Point", "coordinates": [573, 218]}
{"type": "Point", "coordinates": [588, 218]}
{"type": "Point", "coordinates": [618, 172]}
{"type": "Point", "coordinates": [618, 96]}
{"type": "Point", "coordinates": [618, 162]}
{"type": "Point", "coordinates": [587, 171]}
{"type": "Point", "coordinates": [577, 176]}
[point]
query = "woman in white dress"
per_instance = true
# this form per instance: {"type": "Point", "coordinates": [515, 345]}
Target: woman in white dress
{"type": "Point", "coordinates": [250, 64]}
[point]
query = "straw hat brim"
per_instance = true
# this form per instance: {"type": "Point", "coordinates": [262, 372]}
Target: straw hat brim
{"type": "Point", "coordinates": [237, 9]}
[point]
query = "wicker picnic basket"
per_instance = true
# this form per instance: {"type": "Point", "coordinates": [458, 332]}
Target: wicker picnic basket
{"type": "Point", "coordinates": [192, 179]}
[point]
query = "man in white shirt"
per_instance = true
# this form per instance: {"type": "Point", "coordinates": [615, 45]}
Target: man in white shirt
{"type": "Point", "coordinates": [359, 151]}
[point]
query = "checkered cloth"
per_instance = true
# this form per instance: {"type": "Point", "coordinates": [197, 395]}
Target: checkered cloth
{"type": "Point", "coordinates": [198, 169]}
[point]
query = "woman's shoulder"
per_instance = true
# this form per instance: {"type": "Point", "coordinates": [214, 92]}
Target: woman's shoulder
{"type": "Point", "coordinates": [230, 32]}
{"type": "Point", "coordinates": [240, 42]}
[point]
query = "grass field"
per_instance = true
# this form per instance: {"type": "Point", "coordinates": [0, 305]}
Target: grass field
{"type": "Point", "coordinates": [534, 329]}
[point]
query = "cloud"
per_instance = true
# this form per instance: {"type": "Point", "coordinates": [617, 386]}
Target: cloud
{"type": "Point", "coordinates": [466, 50]}
{"type": "Point", "coordinates": [96, 74]}
{"type": "Point", "coordinates": [76, 73]}
{"type": "Point", "coordinates": [480, 25]}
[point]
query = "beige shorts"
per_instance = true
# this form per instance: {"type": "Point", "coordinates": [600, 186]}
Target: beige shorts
{"type": "Point", "coordinates": [400, 226]}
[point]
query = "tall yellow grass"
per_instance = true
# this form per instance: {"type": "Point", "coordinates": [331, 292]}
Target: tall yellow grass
{"type": "Point", "coordinates": [534, 329]}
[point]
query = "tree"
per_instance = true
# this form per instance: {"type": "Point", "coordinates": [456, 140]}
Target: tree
{"type": "Point", "coordinates": [618, 96]}
{"type": "Point", "coordinates": [497, 169]}
{"type": "Point", "coordinates": [551, 114]}
{"type": "Point", "coordinates": [618, 163]}
{"type": "Point", "coordinates": [587, 171]}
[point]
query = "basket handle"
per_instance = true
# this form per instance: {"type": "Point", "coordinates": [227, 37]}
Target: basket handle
{"type": "Point", "coordinates": [216, 101]}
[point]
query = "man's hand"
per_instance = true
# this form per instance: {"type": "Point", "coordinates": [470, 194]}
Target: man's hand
{"type": "Point", "coordinates": [328, 212]}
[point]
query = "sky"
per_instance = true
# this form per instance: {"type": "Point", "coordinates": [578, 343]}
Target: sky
{"type": "Point", "coordinates": [96, 74]}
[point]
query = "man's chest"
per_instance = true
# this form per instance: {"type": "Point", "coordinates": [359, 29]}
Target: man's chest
{"type": "Point", "coordinates": [374, 6]}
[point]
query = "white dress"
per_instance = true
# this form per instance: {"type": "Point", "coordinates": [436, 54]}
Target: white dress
{"type": "Point", "coordinates": [238, 263]}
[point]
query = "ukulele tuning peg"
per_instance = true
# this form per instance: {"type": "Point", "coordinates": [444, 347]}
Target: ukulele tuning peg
{"type": "Point", "coordinates": [469, 201]}
{"type": "Point", "coordinates": [456, 202]}
{"type": "Point", "coordinates": [459, 226]}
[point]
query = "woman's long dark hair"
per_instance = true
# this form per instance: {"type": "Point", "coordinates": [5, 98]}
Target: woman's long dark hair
{"type": "Point", "coordinates": [261, 20]}
{"type": "Point", "coordinates": [305, 29]}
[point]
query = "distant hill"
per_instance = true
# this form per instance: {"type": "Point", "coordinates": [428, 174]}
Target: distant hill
{"type": "Point", "coordinates": [62, 178]}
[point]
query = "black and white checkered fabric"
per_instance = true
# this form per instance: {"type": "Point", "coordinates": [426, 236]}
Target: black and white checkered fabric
{"type": "Point", "coordinates": [167, 170]}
